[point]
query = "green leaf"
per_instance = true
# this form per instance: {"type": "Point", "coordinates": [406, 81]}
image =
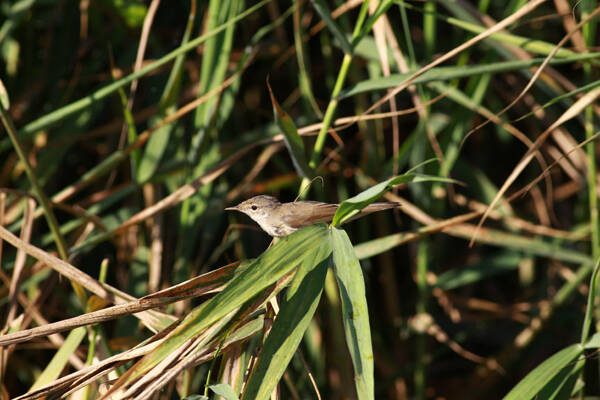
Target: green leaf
{"type": "Point", "coordinates": [323, 10]}
{"type": "Point", "coordinates": [261, 273]}
{"type": "Point", "coordinates": [293, 141]}
{"type": "Point", "coordinates": [153, 153]}
{"type": "Point", "coordinates": [215, 63]}
{"type": "Point", "coordinates": [594, 342]}
{"type": "Point", "coordinates": [61, 358]}
{"type": "Point", "coordinates": [454, 72]}
{"type": "Point", "coordinates": [292, 321]}
{"type": "Point", "coordinates": [132, 12]}
{"type": "Point", "coordinates": [381, 9]}
{"type": "Point", "coordinates": [224, 390]}
{"type": "Point", "coordinates": [4, 99]}
{"type": "Point", "coordinates": [561, 386]}
{"type": "Point", "coordinates": [591, 304]}
{"type": "Point", "coordinates": [159, 140]}
{"type": "Point", "coordinates": [352, 206]}
{"type": "Point", "coordinates": [355, 313]}
{"type": "Point", "coordinates": [543, 374]}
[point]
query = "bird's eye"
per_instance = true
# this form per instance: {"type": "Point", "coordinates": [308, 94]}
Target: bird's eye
{"type": "Point", "coordinates": [254, 207]}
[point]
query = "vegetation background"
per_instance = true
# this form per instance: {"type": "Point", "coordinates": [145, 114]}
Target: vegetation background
{"type": "Point", "coordinates": [133, 124]}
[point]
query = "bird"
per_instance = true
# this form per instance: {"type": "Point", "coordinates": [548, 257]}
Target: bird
{"type": "Point", "coordinates": [281, 219]}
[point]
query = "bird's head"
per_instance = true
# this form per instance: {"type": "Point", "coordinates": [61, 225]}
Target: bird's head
{"type": "Point", "coordinates": [257, 207]}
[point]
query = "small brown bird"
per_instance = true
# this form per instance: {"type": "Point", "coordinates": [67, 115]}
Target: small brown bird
{"type": "Point", "coordinates": [281, 219]}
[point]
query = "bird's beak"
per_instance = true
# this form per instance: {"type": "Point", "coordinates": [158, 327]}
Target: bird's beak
{"type": "Point", "coordinates": [234, 208]}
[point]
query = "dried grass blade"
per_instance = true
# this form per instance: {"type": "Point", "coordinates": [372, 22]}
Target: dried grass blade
{"type": "Point", "coordinates": [20, 260]}
{"type": "Point", "coordinates": [572, 112]}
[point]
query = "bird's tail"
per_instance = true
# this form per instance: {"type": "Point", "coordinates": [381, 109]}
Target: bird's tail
{"type": "Point", "coordinates": [379, 207]}
{"type": "Point", "coordinates": [371, 208]}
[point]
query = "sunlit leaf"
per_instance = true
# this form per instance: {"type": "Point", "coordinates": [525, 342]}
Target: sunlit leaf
{"type": "Point", "coordinates": [353, 205]}
{"type": "Point", "coordinates": [532, 384]}
{"type": "Point", "coordinates": [61, 358]}
{"type": "Point", "coordinates": [273, 264]}
{"type": "Point", "coordinates": [225, 391]}
{"type": "Point", "coordinates": [355, 313]}
{"type": "Point", "coordinates": [291, 322]}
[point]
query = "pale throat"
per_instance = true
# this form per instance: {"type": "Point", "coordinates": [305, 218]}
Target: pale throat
{"type": "Point", "coordinates": [276, 230]}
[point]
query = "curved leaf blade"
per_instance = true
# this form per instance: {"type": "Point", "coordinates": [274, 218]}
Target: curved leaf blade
{"type": "Point", "coordinates": [292, 321]}
{"type": "Point", "coordinates": [353, 205]}
{"type": "Point", "coordinates": [224, 390]}
{"type": "Point", "coordinates": [292, 139]}
{"type": "Point", "coordinates": [355, 313]}
{"type": "Point", "coordinates": [324, 12]}
{"type": "Point", "coordinates": [262, 272]}
{"type": "Point", "coordinates": [537, 379]}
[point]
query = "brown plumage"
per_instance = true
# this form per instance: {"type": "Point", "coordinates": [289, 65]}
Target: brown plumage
{"type": "Point", "coordinates": [281, 219]}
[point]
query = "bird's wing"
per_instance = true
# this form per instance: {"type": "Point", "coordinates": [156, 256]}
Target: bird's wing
{"type": "Point", "coordinates": [299, 217]}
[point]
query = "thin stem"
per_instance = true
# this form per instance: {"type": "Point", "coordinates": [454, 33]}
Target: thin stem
{"type": "Point", "coordinates": [591, 181]}
{"type": "Point", "coordinates": [41, 196]}
{"type": "Point", "coordinates": [329, 113]}
{"type": "Point", "coordinates": [333, 102]}
{"type": "Point", "coordinates": [421, 308]}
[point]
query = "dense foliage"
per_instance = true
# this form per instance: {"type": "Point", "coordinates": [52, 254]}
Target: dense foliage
{"type": "Point", "coordinates": [128, 126]}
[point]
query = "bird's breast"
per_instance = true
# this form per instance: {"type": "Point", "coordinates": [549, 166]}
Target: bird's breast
{"type": "Point", "coordinates": [279, 230]}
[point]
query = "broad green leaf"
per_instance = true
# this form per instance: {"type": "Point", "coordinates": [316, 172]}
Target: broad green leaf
{"type": "Point", "coordinates": [593, 342]}
{"type": "Point", "coordinates": [536, 380]}
{"type": "Point", "coordinates": [323, 10]}
{"type": "Point", "coordinates": [225, 391]}
{"type": "Point", "coordinates": [352, 206]}
{"type": "Point", "coordinates": [293, 141]}
{"type": "Point", "coordinates": [561, 386]}
{"type": "Point", "coordinates": [292, 321]}
{"type": "Point", "coordinates": [61, 358]}
{"type": "Point", "coordinates": [453, 72]}
{"type": "Point", "coordinates": [153, 152]}
{"type": "Point", "coordinates": [355, 313]}
{"type": "Point", "coordinates": [262, 272]}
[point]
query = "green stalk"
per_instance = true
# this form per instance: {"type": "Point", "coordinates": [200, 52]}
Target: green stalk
{"type": "Point", "coordinates": [330, 112]}
{"type": "Point", "coordinates": [591, 181]}
{"type": "Point", "coordinates": [593, 207]}
{"type": "Point", "coordinates": [41, 197]}
{"type": "Point", "coordinates": [333, 102]}
{"type": "Point", "coordinates": [589, 33]}
{"type": "Point", "coordinates": [429, 28]}
{"type": "Point", "coordinates": [421, 308]}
